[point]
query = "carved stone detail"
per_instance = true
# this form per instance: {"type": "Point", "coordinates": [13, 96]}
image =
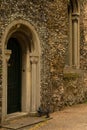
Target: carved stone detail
{"type": "Point", "coordinates": [8, 54]}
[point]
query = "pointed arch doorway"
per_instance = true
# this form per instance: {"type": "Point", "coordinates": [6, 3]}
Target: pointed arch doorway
{"type": "Point", "coordinates": [22, 74]}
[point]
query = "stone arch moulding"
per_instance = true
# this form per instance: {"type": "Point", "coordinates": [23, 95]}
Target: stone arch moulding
{"type": "Point", "coordinates": [75, 6]}
{"type": "Point", "coordinates": [28, 39]}
{"type": "Point", "coordinates": [74, 35]}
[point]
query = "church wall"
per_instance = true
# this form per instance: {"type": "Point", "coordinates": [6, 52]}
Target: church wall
{"type": "Point", "coordinates": [75, 80]}
{"type": "Point", "coordinates": [50, 20]}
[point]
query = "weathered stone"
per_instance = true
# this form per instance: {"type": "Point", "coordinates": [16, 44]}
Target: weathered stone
{"type": "Point", "coordinates": [51, 22]}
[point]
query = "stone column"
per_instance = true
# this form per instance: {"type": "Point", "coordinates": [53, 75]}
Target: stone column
{"type": "Point", "coordinates": [7, 57]}
{"type": "Point", "coordinates": [75, 40]}
{"type": "Point", "coordinates": [34, 61]}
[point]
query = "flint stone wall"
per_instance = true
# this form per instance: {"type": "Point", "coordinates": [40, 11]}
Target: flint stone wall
{"type": "Point", "coordinates": [50, 19]}
{"type": "Point", "coordinates": [75, 81]}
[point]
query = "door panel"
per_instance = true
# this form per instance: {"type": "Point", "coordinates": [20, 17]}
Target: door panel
{"type": "Point", "coordinates": [14, 77]}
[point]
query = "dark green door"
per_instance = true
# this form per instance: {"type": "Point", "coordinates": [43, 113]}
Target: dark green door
{"type": "Point", "coordinates": [14, 77]}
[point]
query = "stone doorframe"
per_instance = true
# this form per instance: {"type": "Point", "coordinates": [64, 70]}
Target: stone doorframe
{"type": "Point", "coordinates": [30, 44]}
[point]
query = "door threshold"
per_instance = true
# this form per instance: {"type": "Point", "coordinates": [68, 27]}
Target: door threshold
{"type": "Point", "coordinates": [15, 115]}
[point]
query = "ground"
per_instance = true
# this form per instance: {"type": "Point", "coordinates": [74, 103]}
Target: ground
{"type": "Point", "coordinates": [70, 118]}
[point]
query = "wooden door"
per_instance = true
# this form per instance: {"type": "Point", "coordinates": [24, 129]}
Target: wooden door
{"type": "Point", "coordinates": [14, 77]}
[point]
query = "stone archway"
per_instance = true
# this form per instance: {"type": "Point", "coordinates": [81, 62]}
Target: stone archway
{"type": "Point", "coordinates": [30, 72]}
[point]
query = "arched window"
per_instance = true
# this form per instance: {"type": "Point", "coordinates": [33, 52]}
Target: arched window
{"type": "Point", "coordinates": [74, 33]}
